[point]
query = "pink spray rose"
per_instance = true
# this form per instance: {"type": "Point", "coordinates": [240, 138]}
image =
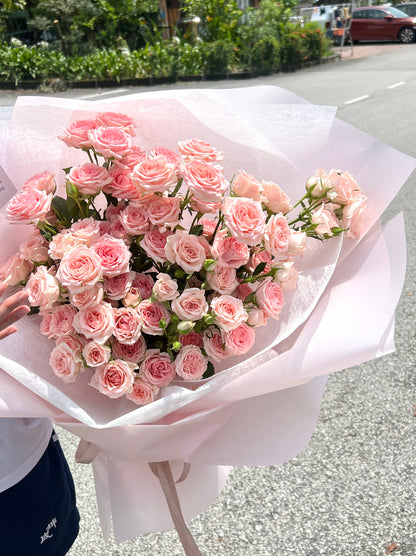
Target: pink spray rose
{"type": "Point", "coordinates": [143, 392]}
{"type": "Point", "coordinates": [63, 319]}
{"type": "Point", "coordinates": [63, 243]}
{"type": "Point", "coordinates": [114, 255]}
{"type": "Point", "coordinates": [157, 368]}
{"type": "Point", "coordinates": [154, 174]}
{"type": "Point", "coordinates": [116, 119]}
{"type": "Point", "coordinates": [15, 269]}
{"type": "Point", "coordinates": [165, 288]}
{"type": "Point", "coordinates": [240, 340]}
{"type": "Point", "coordinates": [86, 297]}
{"type": "Point", "coordinates": [121, 185]}
{"type": "Point", "coordinates": [42, 288]}
{"type": "Point", "coordinates": [135, 219]}
{"type": "Point", "coordinates": [353, 217]}
{"type": "Point", "coordinates": [42, 182]}
{"type": "Point", "coordinates": [154, 243]}
{"type": "Point", "coordinates": [245, 219]}
{"type": "Point", "coordinates": [87, 231]}
{"type": "Point", "coordinates": [185, 250]}
{"type": "Point", "coordinates": [164, 211]}
{"type": "Point", "coordinates": [95, 322]}
{"type": "Point", "coordinates": [152, 314]}
{"type": "Point", "coordinates": [287, 275]}
{"type": "Point", "coordinates": [192, 339]}
{"type": "Point", "coordinates": [318, 183]}
{"type": "Point", "coordinates": [277, 235]}
{"type": "Point", "coordinates": [131, 159]}
{"type": "Point", "coordinates": [76, 134]}
{"type": "Point", "coordinates": [297, 243]}
{"type": "Point", "coordinates": [269, 297]}
{"type": "Point", "coordinates": [275, 198]}
{"type": "Point", "coordinates": [30, 205]}
{"type": "Point", "coordinates": [223, 279]}
{"type": "Point", "coordinates": [229, 251]}
{"type": "Point", "coordinates": [115, 379]}
{"type": "Point", "coordinates": [171, 156]}
{"type": "Point", "coordinates": [205, 180]}
{"type": "Point", "coordinates": [118, 286]}
{"type": "Point", "coordinates": [144, 284]}
{"type": "Point", "coordinates": [346, 188]}
{"type": "Point", "coordinates": [80, 267]}
{"type": "Point", "coordinates": [89, 178]}
{"type": "Point", "coordinates": [96, 354]}
{"type": "Point", "coordinates": [110, 142]}
{"type": "Point", "coordinates": [127, 325]}
{"type": "Point", "coordinates": [325, 220]}
{"type": "Point", "coordinates": [229, 312]}
{"type": "Point", "coordinates": [191, 305]}
{"type": "Point", "coordinates": [199, 149]}
{"type": "Point", "coordinates": [190, 363]}
{"type": "Point", "coordinates": [246, 185]}
{"type": "Point", "coordinates": [66, 363]}
{"type": "Point", "coordinates": [35, 248]}
{"type": "Point", "coordinates": [132, 353]}
{"type": "Point", "coordinates": [214, 344]}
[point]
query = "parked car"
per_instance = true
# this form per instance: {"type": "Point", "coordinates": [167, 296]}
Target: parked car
{"type": "Point", "coordinates": [408, 8]}
{"type": "Point", "coordinates": [377, 23]}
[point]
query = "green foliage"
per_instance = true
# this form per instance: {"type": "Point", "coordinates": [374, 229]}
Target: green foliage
{"type": "Point", "coordinates": [265, 54]}
{"type": "Point", "coordinates": [218, 57]}
{"type": "Point", "coordinates": [219, 18]}
{"type": "Point", "coordinates": [301, 44]}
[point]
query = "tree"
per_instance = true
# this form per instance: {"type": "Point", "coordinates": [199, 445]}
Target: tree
{"type": "Point", "coordinates": [219, 18]}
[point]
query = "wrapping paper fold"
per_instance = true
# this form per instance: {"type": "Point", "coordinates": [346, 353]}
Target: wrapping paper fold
{"type": "Point", "coordinates": [261, 410]}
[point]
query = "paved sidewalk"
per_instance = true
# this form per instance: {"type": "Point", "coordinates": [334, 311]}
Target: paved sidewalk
{"type": "Point", "coordinates": [356, 51]}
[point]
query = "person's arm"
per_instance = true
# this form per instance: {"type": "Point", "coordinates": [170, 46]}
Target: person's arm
{"type": "Point", "coordinates": [12, 309]}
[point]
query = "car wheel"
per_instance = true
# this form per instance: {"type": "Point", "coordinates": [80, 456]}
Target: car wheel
{"type": "Point", "coordinates": [406, 35]}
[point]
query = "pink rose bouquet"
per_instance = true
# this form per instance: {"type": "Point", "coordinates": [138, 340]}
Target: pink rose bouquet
{"type": "Point", "coordinates": [155, 266]}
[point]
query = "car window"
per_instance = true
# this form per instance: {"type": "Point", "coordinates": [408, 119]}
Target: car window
{"type": "Point", "coordinates": [359, 14]}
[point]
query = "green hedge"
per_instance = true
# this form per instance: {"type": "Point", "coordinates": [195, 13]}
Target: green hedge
{"type": "Point", "coordinates": [163, 59]}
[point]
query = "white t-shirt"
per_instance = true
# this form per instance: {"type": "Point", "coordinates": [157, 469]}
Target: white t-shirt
{"type": "Point", "coordinates": [22, 444]}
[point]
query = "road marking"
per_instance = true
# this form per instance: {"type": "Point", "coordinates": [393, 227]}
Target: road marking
{"type": "Point", "coordinates": [112, 92]}
{"type": "Point", "coordinates": [356, 99]}
{"type": "Point", "coordinates": [396, 85]}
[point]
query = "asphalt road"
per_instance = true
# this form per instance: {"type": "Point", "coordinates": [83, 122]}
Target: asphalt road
{"type": "Point", "coordinates": [352, 490]}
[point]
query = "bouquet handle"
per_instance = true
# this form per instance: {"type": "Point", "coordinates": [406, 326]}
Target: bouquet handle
{"type": "Point", "coordinates": [163, 472]}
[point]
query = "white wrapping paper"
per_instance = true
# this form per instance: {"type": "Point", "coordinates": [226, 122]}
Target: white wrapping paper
{"type": "Point", "coordinates": [258, 411]}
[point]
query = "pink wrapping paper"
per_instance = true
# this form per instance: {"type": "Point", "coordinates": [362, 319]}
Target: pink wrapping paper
{"type": "Point", "coordinates": [276, 391]}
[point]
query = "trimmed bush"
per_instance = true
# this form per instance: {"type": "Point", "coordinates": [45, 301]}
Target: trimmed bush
{"type": "Point", "coordinates": [217, 57]}
{"type": "Point", "coordinates": [265, 54]}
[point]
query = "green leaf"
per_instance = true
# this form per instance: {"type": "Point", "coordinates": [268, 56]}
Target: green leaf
{"type": "Point", "coordinates": [259, 268]}
{"type": "Point", "coordinates": [210, 370]}
{"type": "Point", "coordinates": [72, 190]}
{"type": "Point", "coordinates": [197, 230]}
{"type": "Point", "coordinates": [60, 208]}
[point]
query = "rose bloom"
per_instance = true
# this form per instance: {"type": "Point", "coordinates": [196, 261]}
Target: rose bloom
{"type": "Point", "coordinates": [72, 341]}
{"type": "Point", "coordinates": [229, 312]}
{"type": "Point", "coordinates": [110, 142]}
{"type": "Point", "coordinates": [80, 267]}
{"type": "Point", "coordinates": [164, 211]}
{"type": "Point", "coordinates": [157, 368]}
{"type": "Point", "coordinates": [66, 363]}
{"type": "Point", "coordinates": [118, 286]}
{"type": "Point", "coordinates": [275, 198]}
{"type": "Point", "coordinates": [353, 217]}
{"type": "Point", "coordinates": [63, 243]}
{"type": "Point", "coordinates": [154, 174]}
{"type": "Point", "coordinates": [190, 305]}
{"type": "Point", "coordinates": [209, 227]}
{"type": "Point", "coordinates": [45, 326]}
{"type": "Point", "coordinates": [240, 340]}
{"type": "Point", "coordinates": [143, 392]}
{"type": "Point", "coordinates": [131, 159]}
{"type": "Point", "coordinates": [246, 185]}
{"type": "Point", "coordinates": [171, 156]}
{"type": "Point", "coordinates": [277, 235]}
{"type": "Point", "coordinates": [165, 288]}
{"type": "Point", "coordinates": [135, 219]}
{"type": "Point", "coordinates": [230, 252]}
{"type": "Point", "coordinates": [89, 178]}
{"type": "Point", "coordinates": [199, 149]}
{"type": "Point", "coordinates": [244, 290]}
{"type": "Point", "coordinates": [63, 319]}
{"type": "Point", "coordinates": [127, 325]}
{"type": "Point", "coordinates": [214, 344]}
{"type": "Point", "coordinates": [205, 180]}
{"type": "Point", "coordinates": [114, 255]}
{"type": "Point", "coordinates": [42, 182]}
{"type": "Point", "coordinates": [260, 256]}
{"type": "Point", "coordinates": [95, 322]}
{"type": "Point", "coordinates": [15, 269]}
{"type": "Point", "coordinates": [269, 297]}
{"type": "Point", "coordinates": [318, 183]}
{"type": "Point", "coordinates": [190, 363]}
{"type": "Point", "coordinates": [186, 251]}
{"type": "Point", "coordinates": [121, 185]}
{"type": "Point", "coordinates": [35, 248]}
{"type": "Point", "coordinates": [118, 231]}
{"type": "Point", "coordinates": [76, 134]}
{"type": "Point", "coordinates": [132, 353]}
{"type": "Point", "coordinates": [115, 379]}
{"type": "Point", "coordinates": [96, 354]}
{"type": "Point", "coordinates": [42, 288]}
{"type": "Point", "coordinates": [116, 119]}
{"type": "Point", "coordinates": [245, 219]}
{"type": "Point", "coordinates": [256, 317]}
{"type": "Point", "coordinates": [223, 279]}
{"type": "Point", "coordinates": [144, 284]}
{"type": "Point", "coordinates": [205, 208]}
{"type": "Point", "coordinates": [297, 243]}
{"type": "Point", "coordinates": [87, 231]}
{"type": "Point", "coordinates": [112, 212]}
{"type": "Point", "coordinates": [325, 220]}
{"type": "Point", "coordinates": [152, 313]}
{"type": "Point", "coordinates": [132, 298]}
{"type": "Point", "coordinates": [30, 205]}
{"type": "Point", "coordinates": [287, 275]}
{"type": "Point", "coordinates": [346, 188]}
{"type": "Point", "coordinates": [86, 297]}
{"type": "Point", "coordinates": [192, 339]}
{"type": "Point", "coordinates": [154, 243]}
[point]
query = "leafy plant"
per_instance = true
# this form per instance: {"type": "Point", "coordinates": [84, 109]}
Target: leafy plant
{"type": "Point", "coordinates": [219, 18]}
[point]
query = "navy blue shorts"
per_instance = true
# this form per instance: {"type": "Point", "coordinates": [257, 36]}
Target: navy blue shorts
{"type": "Point", "coordinates": [38, 515]}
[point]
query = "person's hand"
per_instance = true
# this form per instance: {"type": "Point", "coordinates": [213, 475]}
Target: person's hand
{"type": "Point", "coordinates": [12, 309]}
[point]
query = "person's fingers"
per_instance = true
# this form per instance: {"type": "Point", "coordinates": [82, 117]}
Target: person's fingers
{"type": "Point", "coordinates": [11, 303]}
{"type": "Point", "coordinates": [7, 331]}
{"type": "Point", "coordinates": [3, 287]}
{"type": "Point", "coordinates": [13, 316]}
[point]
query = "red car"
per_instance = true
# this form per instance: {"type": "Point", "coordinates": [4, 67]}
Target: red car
{"type": "Point", "coordinates": [377, 23]}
